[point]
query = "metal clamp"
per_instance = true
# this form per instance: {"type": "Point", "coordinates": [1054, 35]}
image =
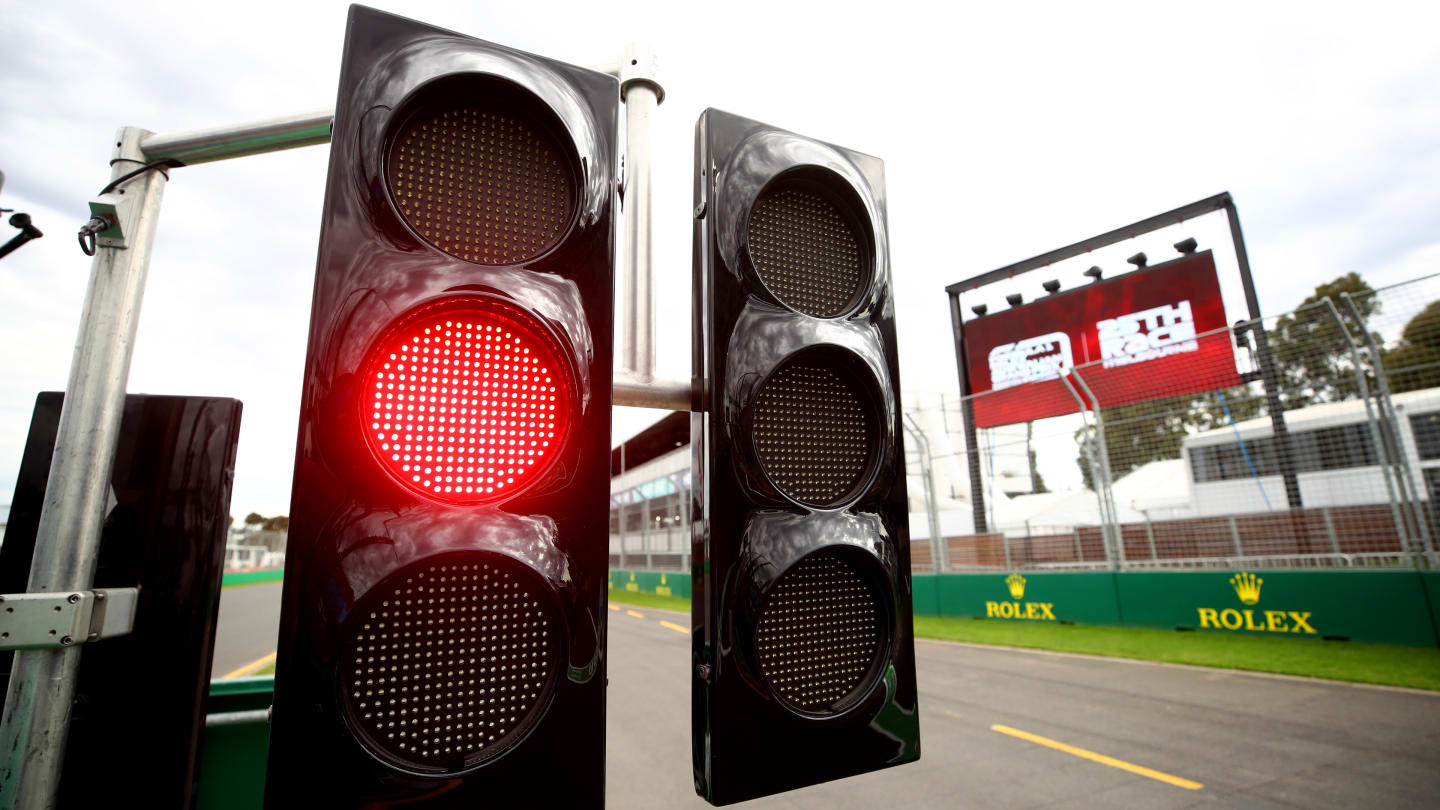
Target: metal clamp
{"type": "Point", "coordinates": [31, 621]}
{"type": "Point", "coordinates": [116, 212]}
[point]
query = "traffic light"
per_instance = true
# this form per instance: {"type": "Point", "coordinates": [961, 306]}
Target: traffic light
{"type": "Point", "coordinates": [164, 538]}
{"type": "Point", "coordinates": [804, 659]}
{"type": "Point", "coordinates": [442, 640]}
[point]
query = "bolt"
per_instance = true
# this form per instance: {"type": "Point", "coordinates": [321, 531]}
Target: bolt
{"type": "Point", "coordinates": [66, 641]}
{"type": "Point", "coordinates": [99, 596]}
{"type": "Point", "coordinates": [702, 671]}
{"type": "Point", "coordinates": [74, 597]}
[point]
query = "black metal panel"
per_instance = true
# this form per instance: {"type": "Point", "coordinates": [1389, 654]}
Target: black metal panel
{"type": "Point", "coordinates": [358, 531]}
{"type": "Point", "coordinates": [782, 521]}
{"type": "Point", "coordinates": [140, 698]}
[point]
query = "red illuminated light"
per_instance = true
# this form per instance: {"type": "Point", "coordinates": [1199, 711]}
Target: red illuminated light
{"type": "Point", "coordinates": [466, 400]}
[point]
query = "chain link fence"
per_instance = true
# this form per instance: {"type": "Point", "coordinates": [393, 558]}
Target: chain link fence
{"type": "Point", "coordinates": [1325, 452]}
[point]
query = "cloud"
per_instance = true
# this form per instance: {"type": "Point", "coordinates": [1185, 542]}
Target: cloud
{"type": "Point", "coordinates": [1006, 131]}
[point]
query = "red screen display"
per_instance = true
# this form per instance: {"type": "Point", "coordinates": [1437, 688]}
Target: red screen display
{"type": "Point", "coordinates": [1134, 337]}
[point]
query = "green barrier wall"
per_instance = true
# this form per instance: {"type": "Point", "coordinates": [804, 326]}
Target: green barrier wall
{"type": "Point", "coordinates": [1389, 607]}
{"type": "Point", "coordinates": [252, 577]}
{"type": "Point", "coordinates": [1082, 598]}
{"type": "Point", "coordinates": [1430, 582]}
{"type": "Point", "coordinates": [1381, 606]}
{"type": "Point", "coordinates": [662, 583]}
{"type": "Point", "coordinates": [233, 757]}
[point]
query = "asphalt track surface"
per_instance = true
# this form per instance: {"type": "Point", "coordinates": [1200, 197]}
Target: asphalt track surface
{"type": "Point", "coordinates": [248, 625]}
{"type": "Point", "coordinates": [1076, 731]}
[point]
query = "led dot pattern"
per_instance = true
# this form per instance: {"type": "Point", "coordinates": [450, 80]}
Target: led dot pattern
{"type": "Point", "coordinates": [806, 252]}
{"type": "Point", "coordinates": [448, 668]}
{"type": "Point", "coordinates": [465, 403]}
{"type": "Point", "coordinates": [813, 433]}
{"type": "Point", "coordinates": [820, 634]}
{"type": "Point", "coordinates": [481, 185]}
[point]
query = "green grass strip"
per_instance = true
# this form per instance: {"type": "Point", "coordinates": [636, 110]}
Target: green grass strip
{"type": "Point", "coordinates": [649, 600]}
{"type": "Point", "coordinates": [231, 580]}
{"type": "Point", "coordinates": [270, 670]}
{"type": "Point", "coordinates": [1357, 661]}
{"type": "Point", "coordinates": [1389, 664]}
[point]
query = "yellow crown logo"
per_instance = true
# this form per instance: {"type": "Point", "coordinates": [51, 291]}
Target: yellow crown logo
{"type": "Point", "coordinates": [1247, 587]}
{"type": "Point", "coordinates": [1016, 584]}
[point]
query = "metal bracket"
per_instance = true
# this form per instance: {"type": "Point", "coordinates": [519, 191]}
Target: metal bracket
{"type": "Point", "coordinates": [114, 208]}
{"type": "Point", "coordinates": [31, 621]}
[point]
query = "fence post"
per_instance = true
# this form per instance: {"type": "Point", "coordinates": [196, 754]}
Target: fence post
{"type": "Point", "coordinates": [1382, 446]}
{"type": "Point", "coordinates": [1409, 491]}
{"type": "Point", "coordinates": [1235, 536]}
{"type": "Point", "coordinates": [932, 508]}
{"type": "Point", "coordinates": [1079, 549]}
{"type": "Point", "coordinates": [1109, 515]}
{"type": "Point", "coordinates": [1330, 529]}
{"type": "Point", "coordinates": [1150, 536]}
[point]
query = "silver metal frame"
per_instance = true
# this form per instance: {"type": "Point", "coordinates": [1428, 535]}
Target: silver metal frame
{"type": "Point", "coordinates": [42, 681]}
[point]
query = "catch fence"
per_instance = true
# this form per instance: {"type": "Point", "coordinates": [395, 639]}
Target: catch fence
{"type": "Point", "coordinates": [1323, 452]}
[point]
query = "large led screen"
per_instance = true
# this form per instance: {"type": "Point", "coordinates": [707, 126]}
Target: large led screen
{"type": "Point", "coordinates": [1134, 337]}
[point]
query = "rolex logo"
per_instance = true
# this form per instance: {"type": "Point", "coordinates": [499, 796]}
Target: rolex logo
{"type": "Point", "coordinates": [1247, 587]}
{"type": "Point", "coordinates": [1016, 584]}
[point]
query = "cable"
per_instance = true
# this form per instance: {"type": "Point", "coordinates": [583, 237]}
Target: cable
{"type": "Point", "coordinates": [97, 224]}
{"type": "Point", "coordinates": [88, 231]}
{"type": "Point", "coordinates": [162, 165]}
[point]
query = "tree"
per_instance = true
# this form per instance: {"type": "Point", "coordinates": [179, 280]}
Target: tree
{"type": "Point", "coordinates": [254, 519]}
{"type": "Point", "coordinates": [1139, 433]}
{"type": "Point", "coordinates": [1414, 362]}
{"type": "Point", "coordinates": [1037, 481]}
{"type": "Point", "coordinates": [1312, 356]}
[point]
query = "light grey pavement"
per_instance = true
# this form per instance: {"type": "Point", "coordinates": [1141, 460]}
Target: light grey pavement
{"type": "Point", "coordinates": [247, 627]}
{"type": "Point", "coordinates": [1253, 741]}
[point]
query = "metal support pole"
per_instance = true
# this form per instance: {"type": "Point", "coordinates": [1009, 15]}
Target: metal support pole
{"type": "Point", "coordinates": [1269, 376]}
{"type": "Point", "coordinates": [1382, 446]}
{"type": "Point", "coordinates": [624, 531]}
{"type": "Point", "coordinates": [67, 542]}
{"type": "Point", "coordinates": [258, 137]}
{"type": "Point", "coordinates": [635, 385]}
{"type": "Point", "coordinates": [641, 94]}
{"type": "Point", "coordinates": [1390, 419]}
{"type": "Point", "coordinates": [967, 415]}
{"type": "Point", "coordinates": [1087, 449]}
{"type": "Point", "coordinates": [1112, 525]}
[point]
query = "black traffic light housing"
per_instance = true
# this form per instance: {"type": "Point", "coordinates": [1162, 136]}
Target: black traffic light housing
{"type": "Point", "coordinates": [803, 649]}
{"type": "Point", "coordinates": [443, 630]}
{"type": "Point", "coordinates": [164, 534]}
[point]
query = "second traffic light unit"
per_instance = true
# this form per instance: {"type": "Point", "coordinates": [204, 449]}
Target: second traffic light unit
{"type": "Point", "coordinates": [443, 630]}
{"type": "Point", "coordinates": [803, 649]}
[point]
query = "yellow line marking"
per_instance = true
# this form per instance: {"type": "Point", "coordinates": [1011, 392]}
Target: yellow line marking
{"type": "Point", "coordinates": [636, 615]}
{"type": "Point", "coordinates": [677, 628]}
{"type": "Point", "coordinates": [614, 606]}
{"type": "Point", "coordinates": [259, 663]}
{"type": "Point", "coordinates": [1100, 758]}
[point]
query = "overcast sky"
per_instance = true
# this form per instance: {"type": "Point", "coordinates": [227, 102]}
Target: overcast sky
{"type": "Point", "coordinates": [1007, 130]}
